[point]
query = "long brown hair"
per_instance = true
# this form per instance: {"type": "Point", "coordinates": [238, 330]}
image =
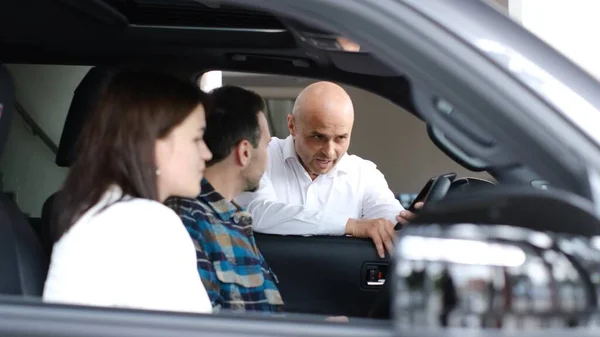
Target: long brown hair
{"type": "Point", "coordinates": [117, 142]}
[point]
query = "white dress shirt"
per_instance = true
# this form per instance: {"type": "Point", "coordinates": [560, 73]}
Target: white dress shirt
{"type": "Point", "coordinates": [135, 254]}
{"type": "Point", "coordinates": [289, 202]}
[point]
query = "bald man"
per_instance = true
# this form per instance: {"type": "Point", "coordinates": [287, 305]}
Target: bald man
{"type": "Point", "coordinates": [313, 187]}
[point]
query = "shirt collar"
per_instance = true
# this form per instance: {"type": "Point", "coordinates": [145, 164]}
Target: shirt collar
{"type": "Point", "coordinates": [226, 210]}
{"type": "Point", "coordinates": [289, 152]}
{"type": "Point", "coordinates": [288, 149]}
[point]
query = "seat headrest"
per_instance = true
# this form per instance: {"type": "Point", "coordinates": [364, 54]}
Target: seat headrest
{"type": "Point", "coordinates": [7, 105]}
{"type": "Point", "coordinates": [85, 98]}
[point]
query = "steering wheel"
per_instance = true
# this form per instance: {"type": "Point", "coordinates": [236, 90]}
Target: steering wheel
{"type": "Point", "coordinates": [434, 190]}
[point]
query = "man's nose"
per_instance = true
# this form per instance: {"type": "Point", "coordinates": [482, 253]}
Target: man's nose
{"type": "Point", "coordinates": [329, 149]}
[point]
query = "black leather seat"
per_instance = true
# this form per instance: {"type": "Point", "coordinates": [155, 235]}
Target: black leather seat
{"type": "Point", "coordinates": [23, 262]}
{"type": "Point", "coordinates": [85, 98]}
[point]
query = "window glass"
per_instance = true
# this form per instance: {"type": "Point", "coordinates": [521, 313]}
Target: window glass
{"type": "Point", "coordinates": [43, 94]}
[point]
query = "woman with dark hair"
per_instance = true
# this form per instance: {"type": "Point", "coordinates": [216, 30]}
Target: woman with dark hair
{"type": "Point", "coordinates": [118, 245]}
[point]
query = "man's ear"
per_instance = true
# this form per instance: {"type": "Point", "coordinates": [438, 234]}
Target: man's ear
{"type": "Point", "coordinates": [291, 125]}
{"type": "Point", "coordinates": [243, 153]}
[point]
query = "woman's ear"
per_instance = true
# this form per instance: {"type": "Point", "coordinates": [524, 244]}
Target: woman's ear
{"type": "Point", "coordinates": [161, 153]}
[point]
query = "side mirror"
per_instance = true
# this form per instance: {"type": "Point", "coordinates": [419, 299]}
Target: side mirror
{"type": "Point", "coordinates": [476, 276]}
{"type": "Point", "coordinates": [504, 259]}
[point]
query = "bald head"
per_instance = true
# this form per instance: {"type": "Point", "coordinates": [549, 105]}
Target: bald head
{"type": "Point", "coordinates": [324, 100]}
{"type": "Point", "coordinates": [321, 124]}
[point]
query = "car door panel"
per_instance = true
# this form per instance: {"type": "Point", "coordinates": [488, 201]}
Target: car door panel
{"type": "Point", "coordinates": [325, 274]}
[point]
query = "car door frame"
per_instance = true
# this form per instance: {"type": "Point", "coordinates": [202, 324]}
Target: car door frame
{"type": "Point", "coordinates": [407, 41]}
{"type": "Point", "coordinates": [32, 318]}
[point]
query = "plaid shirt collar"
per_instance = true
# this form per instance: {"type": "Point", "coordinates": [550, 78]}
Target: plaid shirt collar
{"type": "Point", "coordinates": [227, 211]}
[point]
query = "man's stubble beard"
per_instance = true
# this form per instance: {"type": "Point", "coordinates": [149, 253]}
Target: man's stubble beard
{"type": "Point", "coordinates": [252, 186]}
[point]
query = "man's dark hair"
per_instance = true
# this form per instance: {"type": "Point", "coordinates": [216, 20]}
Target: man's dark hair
{"type": "Point", "coordinates": [232, 117]}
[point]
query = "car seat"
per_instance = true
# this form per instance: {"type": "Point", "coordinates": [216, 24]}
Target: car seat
{"type": "Point", "coordinates": [85, 98]}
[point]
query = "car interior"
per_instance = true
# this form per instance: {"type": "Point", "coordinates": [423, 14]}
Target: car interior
{"type": "Point", "coordinates": [318, 274]}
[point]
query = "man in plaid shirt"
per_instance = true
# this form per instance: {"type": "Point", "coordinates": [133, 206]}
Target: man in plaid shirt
{"type": "Point", "coordinates": [233, 271]}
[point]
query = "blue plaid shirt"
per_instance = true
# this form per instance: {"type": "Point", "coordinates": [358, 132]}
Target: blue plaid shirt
{"type": "Point", "coordinates": [233, 271]}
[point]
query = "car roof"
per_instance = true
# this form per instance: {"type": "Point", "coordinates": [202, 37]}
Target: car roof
{"type": "Point", "coordinates": [186, 37]}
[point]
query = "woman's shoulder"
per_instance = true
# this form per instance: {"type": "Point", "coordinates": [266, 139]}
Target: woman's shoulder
{"type": "Point", "coordinates": [137, 212]}
{"type": "Point", "coordinates": [127, 216]}
{"type": "Point", "coordinates": [121, 220]}
{"type": "Point", "coordinates": [140, 207]}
